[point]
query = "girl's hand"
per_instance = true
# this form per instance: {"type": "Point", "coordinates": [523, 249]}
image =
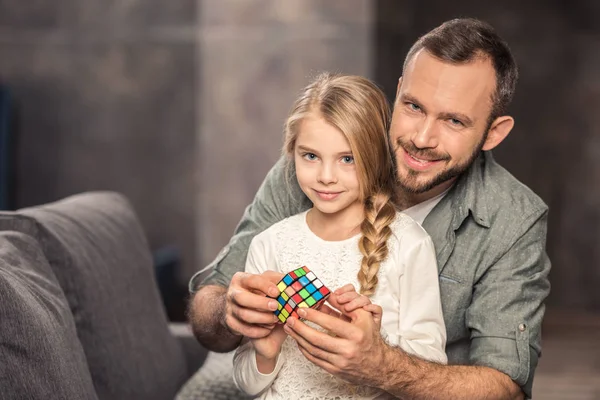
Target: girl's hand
{"type": "Point", "coordinates": [268, 348]}
{"type": "Point", "coordinates": [349, 300]}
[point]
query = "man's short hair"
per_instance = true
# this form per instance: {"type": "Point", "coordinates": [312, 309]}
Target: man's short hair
{"type": "Point", "coordinates": [463, 40]}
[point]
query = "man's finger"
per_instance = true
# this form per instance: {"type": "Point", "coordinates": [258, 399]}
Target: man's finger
{"type": "Point", "coordinates": [334, 325]}
{"type": "Point", "coordinates": [319, 362]}
{"type": "Point", "coordinates": [315, 350]}
{"type": "Point", "coordinates": [248, 330]}
{"type": "Point", "coordinates": [324, 308]}
{"type": "Point", "coordinates": [252, 316]}
{"type": "Point", "coordinates": [273, 276]}
{"type": "Point", "coordinates": [262, 283]}
{"type": "Point", "coordinates": [245, 299]}
{"type": "Point", "coordinates": [315, 338]}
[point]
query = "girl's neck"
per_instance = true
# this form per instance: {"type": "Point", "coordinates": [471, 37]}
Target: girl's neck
{"type": "Point", "coordinates": [338, 226]}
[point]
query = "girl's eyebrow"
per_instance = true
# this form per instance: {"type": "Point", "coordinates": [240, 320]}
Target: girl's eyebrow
{"type": "Point", "coordinates": [307, 149]}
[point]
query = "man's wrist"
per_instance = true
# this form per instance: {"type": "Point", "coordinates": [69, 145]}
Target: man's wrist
{"type": "Point", "coordinates": [389, 363]}
{"type": "Point", "coordinates": [224, 327]}
{"type": "Point", "coordinates": [398, 369]}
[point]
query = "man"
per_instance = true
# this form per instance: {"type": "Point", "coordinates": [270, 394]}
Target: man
{"type": "Point", "coordinates": [489, 231]}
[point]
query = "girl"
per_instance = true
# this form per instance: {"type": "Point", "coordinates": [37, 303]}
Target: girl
{"type": "Point", "coordinates": [336, 139]}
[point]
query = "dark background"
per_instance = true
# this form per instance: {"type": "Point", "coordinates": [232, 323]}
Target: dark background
{"type": "Point", "coordinates": [179, 105]}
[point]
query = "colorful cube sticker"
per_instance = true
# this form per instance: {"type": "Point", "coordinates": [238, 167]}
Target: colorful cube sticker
{"type": "Point", "coordinates": [299, 288]}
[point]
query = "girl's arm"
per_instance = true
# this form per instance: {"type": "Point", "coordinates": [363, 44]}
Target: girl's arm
{"type": "Point", "coordinates": [422, 331]}
{"type": "Point", "coordinates": [247, 377]}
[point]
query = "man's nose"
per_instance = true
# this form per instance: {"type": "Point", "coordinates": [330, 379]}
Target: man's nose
{"type": "Point", "coordinates": [426, 135]}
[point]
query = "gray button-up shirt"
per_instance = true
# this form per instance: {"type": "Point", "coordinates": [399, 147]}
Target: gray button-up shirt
{"type": "Point", "coordinates": [489, 233]}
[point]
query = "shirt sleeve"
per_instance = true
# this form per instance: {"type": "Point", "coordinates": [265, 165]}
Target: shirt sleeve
{"type": "Point", "coordinates": [278, 197]}
{"type": "Point", "coordinates": [422, 331]}
{"type": "Point", "coordinates": [506, 311]}
{"type": "Point", "coordinates": [246, 376]}
{"type": "Point", "coordinates": [261, 257]}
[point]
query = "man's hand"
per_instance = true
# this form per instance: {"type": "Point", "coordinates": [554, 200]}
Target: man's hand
{"type": "Point", "coordinates": [220, 316]}
{"type": "Point", "coordinates": [247, 311]}
{"type": "Point", "coordinates": [355, 353]}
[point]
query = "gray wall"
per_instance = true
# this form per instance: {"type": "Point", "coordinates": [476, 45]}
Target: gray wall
{"type": "Point", "coordinates": [179, 105]}
{"type": "Point", "coordinates": [255, 56]}
{"type": "Point", "coordinates": [106, 101]}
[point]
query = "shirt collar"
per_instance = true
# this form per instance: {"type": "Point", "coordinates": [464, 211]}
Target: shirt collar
{"type": "Point", "coordinates": [469, 196]}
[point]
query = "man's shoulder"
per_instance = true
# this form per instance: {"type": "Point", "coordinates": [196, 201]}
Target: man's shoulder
{"type": "Point", "coordinates": [504, 193]}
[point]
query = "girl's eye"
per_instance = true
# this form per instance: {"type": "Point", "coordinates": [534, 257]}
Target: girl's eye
{"type": "Point", "coordinates": [310, 156]}
{"type": "Point", "coordinates": [348, 159]}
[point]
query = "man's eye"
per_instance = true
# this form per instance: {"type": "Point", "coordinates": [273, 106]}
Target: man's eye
{"type": "Point", "coordinates": [414, 107]}
{"type": "Point", "coordinates": [348, 159]}
{"type": "Point", "coordinates": [456, 122]}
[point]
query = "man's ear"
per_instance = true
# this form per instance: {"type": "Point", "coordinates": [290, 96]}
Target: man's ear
{"type": "Point", "coordinates": [498, 131]}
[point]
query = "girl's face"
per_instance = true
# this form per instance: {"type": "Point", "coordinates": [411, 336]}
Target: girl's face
{"type": "Point", "coordinates": [325, 168]}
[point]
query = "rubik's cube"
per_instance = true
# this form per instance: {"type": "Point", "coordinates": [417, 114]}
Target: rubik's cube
{"type": "Point", "coordinates": [299, 288]}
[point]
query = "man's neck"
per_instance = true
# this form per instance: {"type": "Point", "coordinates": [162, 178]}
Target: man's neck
{"type": "Point", "coordinates": [405, 200]}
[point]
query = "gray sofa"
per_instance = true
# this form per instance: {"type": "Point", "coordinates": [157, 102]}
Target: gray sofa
{"type": "Point", "coordinates": [80, 312]}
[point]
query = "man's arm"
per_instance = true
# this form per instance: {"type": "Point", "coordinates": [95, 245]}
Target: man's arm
{"type": "Point", "coordinates": [505, 319]}
{"type": "Point", "coordinates": [214, 300]}
{"type": "Point", "coordinates": [359, 355]}
{"type": "Point", "coordinates": [206, 316]}
{"type": "Point", "coordinates": [427, 380]}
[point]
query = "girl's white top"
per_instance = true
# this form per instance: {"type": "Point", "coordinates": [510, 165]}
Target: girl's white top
{"type": "Point", "coordinates": [408, 292]}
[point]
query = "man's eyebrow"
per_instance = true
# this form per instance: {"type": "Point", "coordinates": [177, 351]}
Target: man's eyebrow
{"type": "Point", "coordinates": [445, 115]}
{"type": "Point", "coordinates": [459, 116]}
{"type": "Point", "coordinates": [410, 98]}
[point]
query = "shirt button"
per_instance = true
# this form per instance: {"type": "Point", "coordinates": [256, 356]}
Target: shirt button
{"type": "Point", "coordinates": [522, 327]}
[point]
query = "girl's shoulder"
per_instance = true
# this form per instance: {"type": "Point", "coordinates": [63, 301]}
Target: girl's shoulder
{"type": "Point", "coordinates": [289, 225]}
{"type": "Point", "coordinates": [406, 230]}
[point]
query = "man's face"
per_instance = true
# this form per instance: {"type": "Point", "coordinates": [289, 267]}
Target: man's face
{"type": "Point", "coordinates": [440, 120]}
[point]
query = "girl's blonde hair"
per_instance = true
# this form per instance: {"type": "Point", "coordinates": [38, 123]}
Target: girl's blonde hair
{"type": "Point", "coordinates": [359, 109]}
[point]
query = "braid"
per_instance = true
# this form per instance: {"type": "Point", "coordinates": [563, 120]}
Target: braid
{"type": "Point", "coordinates": [379, 214]}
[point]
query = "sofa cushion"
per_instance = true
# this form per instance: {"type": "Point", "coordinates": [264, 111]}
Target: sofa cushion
{"type": "Point", "coordinates": [98, 252]}
{"type": "Point", "coordinates": [40, 354]}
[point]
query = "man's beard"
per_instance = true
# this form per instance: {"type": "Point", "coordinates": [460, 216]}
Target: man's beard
{"type": "Point", "coordinates": [409, 183]}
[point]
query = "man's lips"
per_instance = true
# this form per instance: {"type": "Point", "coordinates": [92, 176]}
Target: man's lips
{"type": "Point", "coordinates": [327, 195]}
{"type": "Point", "coordinates": [418, 163]}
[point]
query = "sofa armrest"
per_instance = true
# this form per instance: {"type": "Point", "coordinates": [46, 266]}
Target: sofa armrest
{"type": "Point", "coordinates": [195, 354]}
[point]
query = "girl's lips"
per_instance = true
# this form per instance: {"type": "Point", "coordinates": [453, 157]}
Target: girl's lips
{"type": "Point", "coordinates": [327, 195]}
